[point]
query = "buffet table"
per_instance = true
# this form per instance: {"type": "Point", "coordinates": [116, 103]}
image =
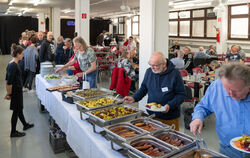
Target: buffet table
{"type": "Point", "coordinates": [80, 135]}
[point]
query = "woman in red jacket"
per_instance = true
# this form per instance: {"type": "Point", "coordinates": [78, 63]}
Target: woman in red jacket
{"type": "Point", "coordinates": [75, 67]}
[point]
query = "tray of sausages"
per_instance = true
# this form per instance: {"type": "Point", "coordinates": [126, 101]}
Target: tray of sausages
{"type": "Point", "coordinates": [174, 138]}
{"type": "Point", "coordinates": [148, 146]}
{"type": "Point", "coordinates": [122, 132]}
{"type": "Point", "coordinates": [148, 124]}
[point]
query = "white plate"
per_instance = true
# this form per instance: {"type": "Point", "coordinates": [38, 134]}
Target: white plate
{"type": "Point", "coordinates": [232, 144]}
{"type": "Point", "coordinates": [157, 110]}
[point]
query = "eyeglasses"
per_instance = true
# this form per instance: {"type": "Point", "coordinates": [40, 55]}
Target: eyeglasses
{"type": "Point", "coordinates": [156, 66]}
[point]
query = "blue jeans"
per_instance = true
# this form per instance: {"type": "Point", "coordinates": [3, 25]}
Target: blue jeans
{"type": "Point", "coordinates": [232, 153]}
{"type": "Point", "coordinates": [92, 78]}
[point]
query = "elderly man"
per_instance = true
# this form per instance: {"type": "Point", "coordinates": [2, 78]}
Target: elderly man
{"type": "Point", "coordinates": [178, 61]}
{"type": "Point", "coordinates": [68, 50]}
{"type": "Point", "coordinates": [48, 49]}
{"type": "Point", "coordinates": [164, 85]}
{"type": "Point", "coordinates": [188, 59]}
{"type": "Point", "coordinates": [211, 51]}
{"type": "Point", "coordinates": [228, 98]}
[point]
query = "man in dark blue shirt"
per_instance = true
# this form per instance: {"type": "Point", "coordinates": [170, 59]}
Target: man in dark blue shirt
{"type": "Point", "coordinates": [164, 85]}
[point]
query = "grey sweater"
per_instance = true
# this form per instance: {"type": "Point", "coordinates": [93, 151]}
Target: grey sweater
{"type": "Point", "coordinates": [30, 58]}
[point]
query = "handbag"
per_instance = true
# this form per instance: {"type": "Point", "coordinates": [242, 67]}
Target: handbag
{"type": "Point", "coordinates": [85, 83]}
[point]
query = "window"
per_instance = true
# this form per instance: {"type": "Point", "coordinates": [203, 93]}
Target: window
{"type": "Point", "coordinates": [238, 22]}
{"type": "Point", "coordinates": [198, 28]}
{"type": "Point", "coordinates": [211, 28]}
{"type": "Point", "coordinates": [185, 28]}
{"type": "Point", "coordinates": [173, 31]}
{"type": "Point", "coordinates": [194, 23]}
{"type": "Point", "coordinates": [135, 25]}
{"type": "Point", "coordinates": [118, 25]}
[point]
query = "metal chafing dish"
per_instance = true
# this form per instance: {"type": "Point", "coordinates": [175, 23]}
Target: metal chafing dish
{"type": "Point", "coordinates": [187, 141]}
{"type": "Point", "coordinates": [95, 120]}
{"type": "Point", "coordinates": [147, 120]}
{"type": "Point", "coordinates": [159, 147]}
{"type": "Point", "coordinates": [202, 153]}
{"type": "Point", "coordinates": [114, 133]}
{"type": "Point", "coordinates": [84, 109]}
{"type": "Point", "coordinates": [104, 90]}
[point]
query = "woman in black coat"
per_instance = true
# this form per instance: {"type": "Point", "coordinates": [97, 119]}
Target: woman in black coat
{"type": "Point", "coordinates": [14, 86]}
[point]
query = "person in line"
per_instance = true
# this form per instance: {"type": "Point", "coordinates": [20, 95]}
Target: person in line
{"type": "Point", "coordinates": [59, 50]}
{"type": "Point", "coordinates": [164, 85]}
{"type": "Point", "coordinates": [100, 38]}
{"type": "Point", "coordinates": [87, 61]}
{"type": "Point", "coordinates": [188, 59]}
{"type": "Point", "coordinates": [127, 63]}
{"type": "Point", "coordinates": [75, 68]}
{"type": "Point", "coordinates": [233, 55]}
{"type": "Point", "coordinates": [211, 51]}
{"type": "Point", "coordinates": [30, 58]}
{"type": "Point", "coordinates": [38, 46]}
{"type": "Point", "coordinates": [176, 46]}
{"type": "Point", "coordinates": [48, 49]}
{"type": "Point", "coordinates": [14, 85]}
{"type": "Point", "coordinates": [228, 98]}
{"type": "Point", "coordinates": [178, 61]}
{"type": "Point", "coordinates": [201, 54]}
{"type": "Point", "coordinates": [68, 50]}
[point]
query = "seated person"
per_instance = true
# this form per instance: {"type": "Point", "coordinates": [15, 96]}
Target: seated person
{"type": "Point", "coordinates": [201, 54]}
{"type": "Point", "coordinates": [188, 59]}
{"type": "Point", "coordinates": [215, 65]}
{"type": "Point", "coordinates": [211, 51]}
{"type": "Point", "coordinates": [242, 53]}
{"type": "Point", "coordinates": [178, 61]}
{"type": "Point", "coordinates": [176, 46]}
{"type": "Point", "coordinates": [233, 55]}
{"type": "Point", "coordinates": [126, 63]}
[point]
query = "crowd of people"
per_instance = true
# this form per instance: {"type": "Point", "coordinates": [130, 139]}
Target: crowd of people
{"type": "Point", "coordinates": [235, 53]}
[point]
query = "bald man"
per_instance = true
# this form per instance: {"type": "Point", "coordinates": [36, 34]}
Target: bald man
{"type": "Point", "coordinates": [164, 85]}
{"type": "Point", "coordinates": [48, 48]}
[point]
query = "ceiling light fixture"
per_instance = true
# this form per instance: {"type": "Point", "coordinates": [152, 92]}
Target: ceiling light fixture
{"type": "Point", "coordinates": [36, 2]}
{"type": "Point", "coordinates": [11, 2]}
{"type": "Point", "coordinates": [184, 5]}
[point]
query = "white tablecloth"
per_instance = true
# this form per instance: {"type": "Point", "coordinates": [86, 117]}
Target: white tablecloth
{"type": "Point", "coordinates": [80, 135]}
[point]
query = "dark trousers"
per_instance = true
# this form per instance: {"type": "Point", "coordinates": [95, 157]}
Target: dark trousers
{"type": "Point", "coordinates": [15, 115]}
{"type": "Point", "coordinates": [29, 79]}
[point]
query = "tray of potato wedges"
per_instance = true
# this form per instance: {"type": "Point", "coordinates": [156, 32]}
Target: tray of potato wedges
{"type": "Point", "coordinates": [175, 139]}
{"type": "Point", "coordinates": [148, 124]}
{"type": "Point", "coordinates": [122, 132]}
{"type": "Point", "coordinates": [97, 103]}
{"type": "Point", "coordinates": [148, 147]}
{"type": "Point", "coordinates": [113, 114]}
{"type": "Point", "coordinates": [91, 93]}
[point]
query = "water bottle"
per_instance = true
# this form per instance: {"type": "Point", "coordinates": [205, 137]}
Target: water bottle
{"type": "Point", "coordinates": [199, 76]}
{"type": "Point", "coordinates": [195, 77]}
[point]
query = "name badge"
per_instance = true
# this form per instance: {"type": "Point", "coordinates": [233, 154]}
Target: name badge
{"type": "Point", "coordinates": [164, 89]}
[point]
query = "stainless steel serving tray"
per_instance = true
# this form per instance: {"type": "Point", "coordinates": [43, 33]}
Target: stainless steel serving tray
{"type": "Point", "coordinates": [135, 153]}
{"type": "Point", "coordinates": [190, 153]}
{"type": "Point", "coordinates": [101, 122]}
{"type": "Point", "coordinates": [114, 137]}
{"type": "Point", "coordinates": [84, 109]}
{"type": "Point", "coordinates": [159, 125]}
{"type": "Point", "coordinates": [106, 92]}
{"type": "Point", "coordinates": [188, 142]}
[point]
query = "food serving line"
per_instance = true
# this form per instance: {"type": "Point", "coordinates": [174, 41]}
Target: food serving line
{"type": "Point", "coordinates": [139, 136]}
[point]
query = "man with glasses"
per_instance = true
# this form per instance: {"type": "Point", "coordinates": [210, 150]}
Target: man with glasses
{"type": "Point", "coordinates": [164, 85]}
